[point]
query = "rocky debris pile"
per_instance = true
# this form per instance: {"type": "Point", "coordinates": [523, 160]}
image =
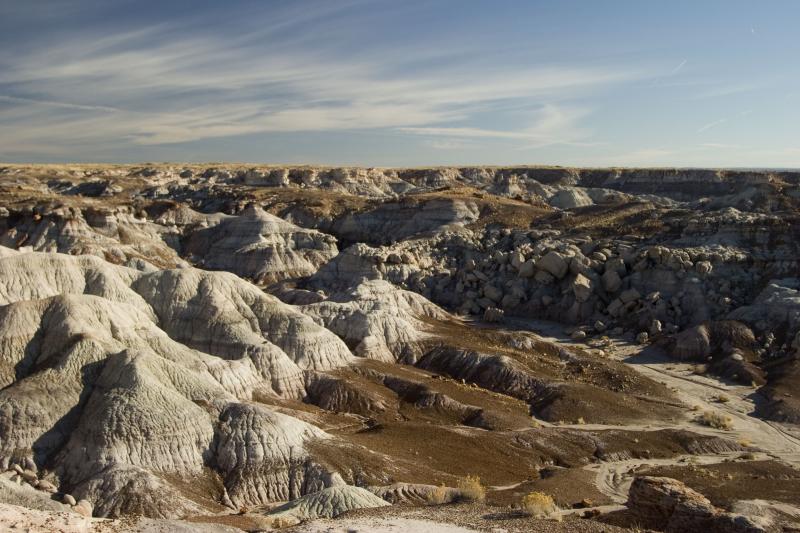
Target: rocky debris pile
{"type": "Point", "coordinates": [647, 288]}
{"type": "Point", "coordinates": [24, 484]}
{"type": "Point", "coordinates": [670, 506]}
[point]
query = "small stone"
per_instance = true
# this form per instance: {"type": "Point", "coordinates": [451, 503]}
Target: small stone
{"type": "Point", "coordinates": [599, 326]}
{"type": "Point", "coordinates": [69, 499]}
{"type": "Point", "coordinates": [578, 335]}
{"type": "Point", "coordinates": [642, 337]}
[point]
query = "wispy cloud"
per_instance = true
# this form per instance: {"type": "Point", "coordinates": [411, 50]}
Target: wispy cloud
{"type": "Point", "coordinates": [708, 126]}
{"type": "Point", "coordinates": [678, 68]}
{"type": "Point", "coordinates": [721, 146]}
{"type": "Point", "coordinates": [551, 124]}
{"type": "Point", "coordinates": [164, 84]}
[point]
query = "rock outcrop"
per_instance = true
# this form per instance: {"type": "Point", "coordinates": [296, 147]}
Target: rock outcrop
{"type": "Point", "coordinates": [327, 503]}
{"type": "Point", "coordinates": [671, 506]}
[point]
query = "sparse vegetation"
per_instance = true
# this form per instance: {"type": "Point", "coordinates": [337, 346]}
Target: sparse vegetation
{"type": "Point", "coordinates": [723, 399]}
{"type": "Point", "coordinates": [470, 489]}
{"type": "Point", "coordinates": [282, 522]}
{"type": "Point", "coordinates": [438, 496]}
{"type": "Point", "coordinates": [539, 505]}
{"type": "Point", "coordinates": [717, 420]}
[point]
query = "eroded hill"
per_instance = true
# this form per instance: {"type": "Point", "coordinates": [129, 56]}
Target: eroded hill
{"type": "Point", "coordinates": [204, 343]}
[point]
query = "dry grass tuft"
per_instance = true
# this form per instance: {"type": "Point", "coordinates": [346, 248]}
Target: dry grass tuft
{"type": "Point", "coordinates": [471, 490]}
{"type": "Point", "coordinates": [539, 505]}
{"type": "Point", "coordinates": [438, 496]}
{"type": "Point", "coordinates": [717, 420]}
{"type": "Point", "coordinates": [281, 522]}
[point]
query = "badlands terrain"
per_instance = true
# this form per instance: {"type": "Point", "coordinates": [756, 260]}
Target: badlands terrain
{"type": "Point", "coordinates": [230, 347]}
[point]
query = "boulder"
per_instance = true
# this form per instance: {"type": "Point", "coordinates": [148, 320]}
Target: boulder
{"type": "Point", "coordinates": [670, 506]}
{"type": "Point", "coordinates": [582, 288]}
{"type": "Point", "coordinates": [553, 263]}
{"type": "Point", "coordinates": [46, 486]}
{"type": "Point", "coordinates": [493, 293]}
{"type": "Point", "coordinates": [578, 335]}
{"type": "Point", "coordinates": [693, 344]}
{"type": "Point", "coordinates": [655, 327]}
{"type": "Point", "coordinates": [84, 508]}
{"type": "Point", "coordinates": [703, 267]}
{"type": "Point", "coordinates": [527, 269]}
{"type": "Point", "coordinates": [615, 307]}
{"type": "Point", "coordinates": [630, 295]}
{"type": "Point", "coordinates": [611, 281]}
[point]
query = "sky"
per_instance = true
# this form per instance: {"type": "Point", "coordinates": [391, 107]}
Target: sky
{"type": "Point", "coordinates": [687, 83]}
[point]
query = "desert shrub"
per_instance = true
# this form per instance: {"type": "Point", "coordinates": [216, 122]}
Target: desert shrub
{"type": "Point", "coordinates": [723, 399]}
{"type": "Point", "coordinates": [744, 442]}
{"type": "Point", "coordinates": [280, 522]}
{"type": "Point", "coordinates": [539, 505]}
{"type": "Point", "coordinates": [437, 496]}
{"type": "Point", "coordinates": [717, 420]}
{"type": "Point", "coordinates": [470, 489]}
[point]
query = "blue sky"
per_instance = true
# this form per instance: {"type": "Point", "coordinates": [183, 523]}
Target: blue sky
{"type": "Point", "coordinates": [402, 83]}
